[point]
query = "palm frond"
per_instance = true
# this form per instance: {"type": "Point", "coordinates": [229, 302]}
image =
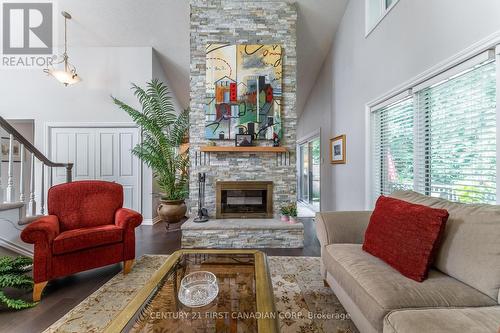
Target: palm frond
{"type": "Point", "coordinates": [12, 275]}
{"type": "Point", "coordinates": [163, 132]}
{"type": "Point", "coordinates": [17, 304]}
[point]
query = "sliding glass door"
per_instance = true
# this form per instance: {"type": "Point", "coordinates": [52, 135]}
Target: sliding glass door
{"type": "Point", "coordinates": [309, 173]}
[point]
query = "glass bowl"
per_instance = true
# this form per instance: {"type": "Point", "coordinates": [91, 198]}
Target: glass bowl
{"type": "Point", "coordinates": [198, 289]}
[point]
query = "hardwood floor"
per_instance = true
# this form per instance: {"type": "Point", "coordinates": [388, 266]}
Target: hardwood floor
{"type": "Point", "coordinates": [61, 295]}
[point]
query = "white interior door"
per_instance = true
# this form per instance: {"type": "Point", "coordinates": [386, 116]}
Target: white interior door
{"type": "Point", "coordinates": [99, 153]}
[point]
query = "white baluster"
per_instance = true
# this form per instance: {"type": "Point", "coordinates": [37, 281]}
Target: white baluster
{"type": "Point", "coordinates": [9, 197]}
{"type": "Point", "coordinates": [42, 195]}
{"type": "Point", "coordinates": [22, 197]}
{"type": "Point", "coordinates": [32, 202]}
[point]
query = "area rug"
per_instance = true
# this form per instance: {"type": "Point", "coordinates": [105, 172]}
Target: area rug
{"type": "Point", "coordinates": [304, 303]}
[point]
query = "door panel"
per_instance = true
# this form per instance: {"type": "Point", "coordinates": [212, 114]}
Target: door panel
{"type": "Point", "coordinates": [309, 173]}
{"type": "Point", "coordinates": [62, 151]}
{"type": "Point", "coordinates": [99, 153]}
{"type": "Point", "coordinates": [126, 166]}
{"type": "Point", "coordinates": [128, 196]}
{"type": "Point", "coordinates": [106, 159]}
{"type": "Point", "coordinates": [304, 172]}
{"type": "Point", "coordinates": [315, 165]}
{"type": "Point", "coordinates": [84, 157]}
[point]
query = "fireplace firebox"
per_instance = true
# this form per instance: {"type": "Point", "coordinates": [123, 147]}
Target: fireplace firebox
{"type": "Point", "coordinates": [244, 199]}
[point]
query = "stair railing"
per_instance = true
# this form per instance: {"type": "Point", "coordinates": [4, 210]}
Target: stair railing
{"type": "Point", "coordinates": [25, 145]}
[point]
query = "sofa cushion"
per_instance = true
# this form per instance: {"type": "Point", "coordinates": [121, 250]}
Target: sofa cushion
{"type": "Point", "coordinates": [446, 320]}
{"type": "Point", "coordinates": [470, 250]}
{"type": "Point", "coordinates": [84, 238]}
{"type": "Point", "coordinates": [377, 288]}
{"type": "Point", "coordinates": [405, 235]}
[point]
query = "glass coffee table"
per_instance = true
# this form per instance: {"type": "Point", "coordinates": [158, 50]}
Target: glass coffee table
{"type": "Point", "coordinates": [245, 302]}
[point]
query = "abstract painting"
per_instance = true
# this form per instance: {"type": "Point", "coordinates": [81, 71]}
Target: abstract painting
{"type": "Point", "coordinates": [244, 91]}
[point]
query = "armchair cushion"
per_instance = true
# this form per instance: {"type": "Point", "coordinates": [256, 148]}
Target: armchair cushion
{"type": "Point", "coordinates": [85, 203]}
{"type": "Point", "coordinates": [84, 238]}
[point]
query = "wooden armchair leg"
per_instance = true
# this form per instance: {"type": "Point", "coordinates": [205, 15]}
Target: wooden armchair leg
{"type": "Point", "coordinates": [37, 290]}
{"type": "Point", "coordinates": [127, 266]}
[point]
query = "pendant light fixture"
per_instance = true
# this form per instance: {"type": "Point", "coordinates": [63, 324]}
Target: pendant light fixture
{"type": "Point", "coordinates": [67, 73]}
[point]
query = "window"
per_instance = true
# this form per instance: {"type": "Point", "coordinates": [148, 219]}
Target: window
{"type": "Point", "coordinates": [459, 131]}
{"type": "Point", "coordinates": [392, 148]}
{"type": "Point", "coordinates": [440, 139]}
{"type": "Point", "coordinates": [376, 11]}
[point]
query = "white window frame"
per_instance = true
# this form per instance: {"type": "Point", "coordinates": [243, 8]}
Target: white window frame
{"type": "Point", "coordinates": [489, 43]}
{"type": "Point", "coordinates": [383, 13]}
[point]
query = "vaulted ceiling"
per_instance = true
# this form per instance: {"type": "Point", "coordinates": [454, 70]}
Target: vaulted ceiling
{"type": "Point", "coordinates": [164, 25]}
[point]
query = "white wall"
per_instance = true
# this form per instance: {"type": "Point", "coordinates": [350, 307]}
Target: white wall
{"type": "Point", "coordinates": [105, 71]}
{"type": "Point", "coordinates": [412, 38]}
{"type": "Point", "coordinates": [317, 115]}
{"type": "Point", "coordinates": [159, 74]}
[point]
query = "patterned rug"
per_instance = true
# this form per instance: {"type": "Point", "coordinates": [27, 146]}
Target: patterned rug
{"type": "Point", "coordinates": [304, 303]}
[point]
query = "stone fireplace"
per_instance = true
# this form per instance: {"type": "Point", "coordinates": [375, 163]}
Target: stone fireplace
{"type": "Point", "coordinates": [244, 199]}
{"type": "Point", "coordinates": [245, 186]}
{"type": "Point", "coordinates": [242, 22]}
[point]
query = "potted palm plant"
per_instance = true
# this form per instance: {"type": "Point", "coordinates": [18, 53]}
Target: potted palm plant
{"type": "Point", "coordinates": [163, 133]}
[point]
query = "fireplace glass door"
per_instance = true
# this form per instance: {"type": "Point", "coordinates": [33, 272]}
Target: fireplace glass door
{"type": "Point", "coordinates": [244, 199]}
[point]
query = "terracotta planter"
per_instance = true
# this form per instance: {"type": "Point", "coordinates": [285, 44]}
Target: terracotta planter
{"type": "Point", "coordinates": [284, 218]}
{"type": "Point", "coordinates": [293, 219]}
{"type": "Point", "coordinates": [171, 211]}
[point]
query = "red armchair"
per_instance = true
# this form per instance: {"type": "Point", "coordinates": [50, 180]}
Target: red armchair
{"type": "Point", "coordinates": [86, 228]}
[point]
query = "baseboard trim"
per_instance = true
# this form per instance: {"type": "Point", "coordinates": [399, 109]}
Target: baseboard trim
{"type": "Point", "coordinates": [147, 222]}
{"type": "Point", "coordinates": [15, 248]}
{"type": "Point", "coordinates": [152, 221]}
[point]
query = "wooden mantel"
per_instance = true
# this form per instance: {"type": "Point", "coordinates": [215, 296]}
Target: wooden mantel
{"type": "Point", "coordinates": [254, 149]}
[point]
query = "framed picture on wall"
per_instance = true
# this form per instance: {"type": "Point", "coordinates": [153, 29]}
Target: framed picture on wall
{"type": "Point", "coordinates": [243, 140]}
{"type": "Point", "coordinates": [16, 150]}
{"type": "Point", "coordinates": [337, 150]}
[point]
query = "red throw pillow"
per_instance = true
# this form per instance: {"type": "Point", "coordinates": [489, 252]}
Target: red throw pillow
{"type": "Point", "coordinates": [405, 235]}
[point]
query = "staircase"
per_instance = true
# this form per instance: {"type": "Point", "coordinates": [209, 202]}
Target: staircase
{"type": "Point", "coordinates": [19, 204]}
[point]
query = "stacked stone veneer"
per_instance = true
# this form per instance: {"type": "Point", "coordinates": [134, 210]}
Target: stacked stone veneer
{"type": "Point", "coordinates": [242, 22]}
{"type": "Point", "coordinates": [248, 233]}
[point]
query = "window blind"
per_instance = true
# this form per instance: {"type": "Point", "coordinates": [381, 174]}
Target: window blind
{"type": "Point", "coordinates": [455, 147]}
{"type": "Point", "coordinates": [392, 147]}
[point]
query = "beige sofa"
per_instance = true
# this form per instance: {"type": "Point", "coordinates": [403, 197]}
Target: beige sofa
{"type": "Point", "coordinates": [460, 295]}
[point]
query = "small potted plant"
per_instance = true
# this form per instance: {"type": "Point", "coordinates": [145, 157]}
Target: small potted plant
{"type": "Point", "coordinates": [292, 211]}
{"type": "Point", "coordinates": [285, 213]}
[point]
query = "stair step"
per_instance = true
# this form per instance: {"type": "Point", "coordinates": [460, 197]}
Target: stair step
{"type": "Point", "coordinates": [29, 219]}
{"type": "Point", "coordinates": [13, 205]}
